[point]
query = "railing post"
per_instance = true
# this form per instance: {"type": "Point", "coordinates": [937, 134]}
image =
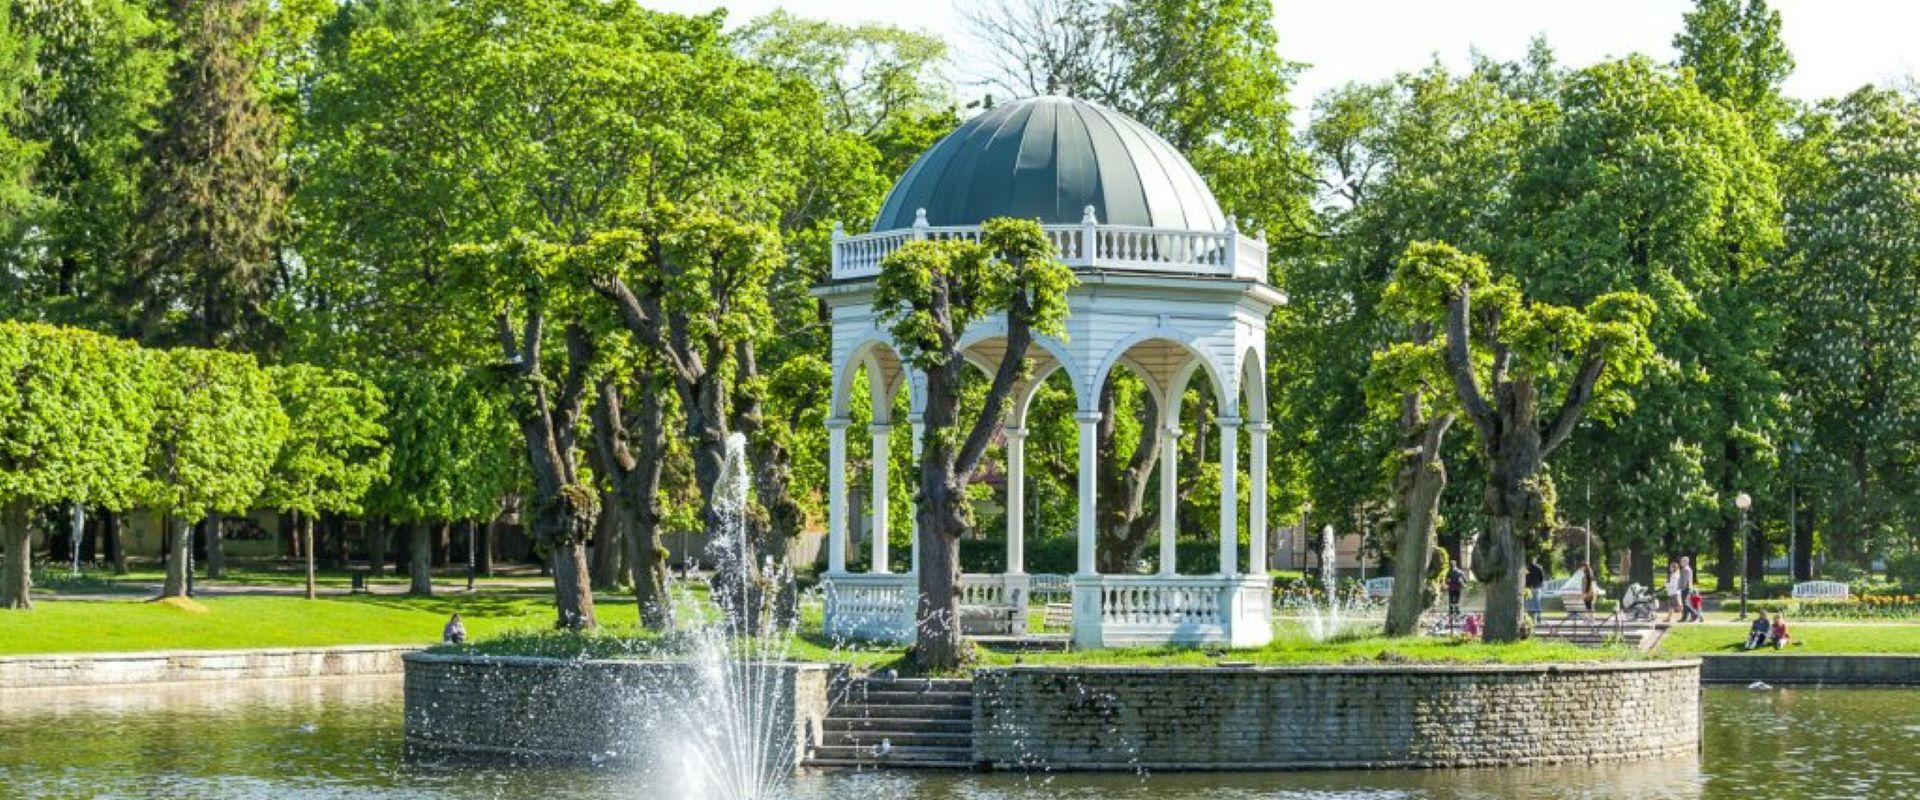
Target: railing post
{"type": "Point", "coordinates": [1233, 245]}
{"type": "Point", "coordinates": [920, 223]}
{"type": "Point", "coordinates": [839, 237]}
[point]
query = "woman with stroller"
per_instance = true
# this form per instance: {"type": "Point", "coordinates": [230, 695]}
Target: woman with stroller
{"type": "Point", "coordinates": [1674, 597]}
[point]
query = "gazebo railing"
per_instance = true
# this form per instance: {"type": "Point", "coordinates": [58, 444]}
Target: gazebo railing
{"type": "Point", "coordinates": [1227, 253]}
{"type": "Point", "coordinates": [1149, 610]}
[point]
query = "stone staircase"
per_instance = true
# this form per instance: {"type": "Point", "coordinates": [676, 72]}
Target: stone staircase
{"type": "Point", "coordinates": [922, 723]}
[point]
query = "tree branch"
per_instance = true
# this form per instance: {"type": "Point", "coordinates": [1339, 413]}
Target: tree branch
{"type": "Point", "coordinates": [1578, 395]}
{"type": "Point", "coordinates": [1459, 361]}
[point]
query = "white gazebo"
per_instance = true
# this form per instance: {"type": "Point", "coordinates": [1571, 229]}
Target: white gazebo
{"type": "Point", "coordinates": [1168, 288]}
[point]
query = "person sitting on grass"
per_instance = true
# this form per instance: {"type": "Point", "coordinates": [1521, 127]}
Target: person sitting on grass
{"type": "Point", "coordinates": [1778, 636]}
{"type": "Point", "coordinates": [1758, 633]}
{"type": "Point", "coordinates": [455, 632]}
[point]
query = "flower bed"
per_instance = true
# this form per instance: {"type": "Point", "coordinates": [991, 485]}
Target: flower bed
{"type": "Point", "coordinates": [1880, 606]}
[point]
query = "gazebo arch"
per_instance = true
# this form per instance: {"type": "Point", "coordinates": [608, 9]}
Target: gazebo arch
{"type": "Point", "coordinates": [1166, 286]}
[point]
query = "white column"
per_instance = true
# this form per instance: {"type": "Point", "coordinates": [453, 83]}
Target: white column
{"type": "Point", "coordinates": [1169, 498]}
{"type": "Point", "coordinates": [837, 495]}
{"type": "Point", "coordinates": [1257, 499]}
{"type": "Point", "coordinates": [1016, 501]}
{"type": "Point", "coordinates": [1089, 433]}
{"type": "Point", "coordinates": [879, 504]}
{"type": "Point", "coordinates": [919, 442]}
{"type": "Point", "coordinates": [1229, 495]}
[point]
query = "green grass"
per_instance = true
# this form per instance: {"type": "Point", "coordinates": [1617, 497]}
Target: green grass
{"type": "Point", "coordinates": [258, 574]}
{"type": "Point", "coordinates": [1812, 638]}
{"type": "Point", "coordinates": [249, 622]}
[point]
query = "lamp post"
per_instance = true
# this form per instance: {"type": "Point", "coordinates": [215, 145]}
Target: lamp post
{"type": "Point", "coordinates": [1743, 502]}
{"type": "Point", "coordinates": [1793, 509]}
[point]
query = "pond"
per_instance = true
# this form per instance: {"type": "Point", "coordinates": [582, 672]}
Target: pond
{"type": "Point", "coordinates": [343, 739]}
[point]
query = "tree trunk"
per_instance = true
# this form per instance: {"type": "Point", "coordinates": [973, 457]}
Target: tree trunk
{"type": "Point", "coordinates": [379, 534]}
{"type": "Point", "coordinates": [216, 547]}
{"type": "Point", "coordinates": [179, 556]}
{"type": "Point", "coordinates": [1124, 525]}
{"type": "Point", "coordinates": [443, 544]}
{"type": "Point", "coordinates": [636, 481]}
{"type": "Point", "coordinates": [306, 528]}
{"type": "Point", "coordinates": [939, 642]}
{"type": "Point", "coordinates": [780, 517]}
{"type": "Point", "coordinates": [1726, 552]}
{"type": "Point", "coordinates": [1418, 485]}
{"type": "Point", "coordinates": [1498, 560]}
{"type": "Point", "coordinates": [420, 559]}
{"type": "Point", "coordinates": [488, 535]}
{"type": "Point", "coordinates": [564, 507]}
{"type": "Point", "coordinates": [16, 577]}
{"type": "Point", "coordinates": [116, 548]}
{"type": "Point", "coordinates": [1802, 566]}
{"type": "Point", "coordinates": [609, 536]}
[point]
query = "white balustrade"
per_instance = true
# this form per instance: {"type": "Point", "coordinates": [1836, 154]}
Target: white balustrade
{"type": "Point", "coordinates": [870, 606]}
{"type": "Point", "coordinates": [1156, 610]}
{"type": "Point", "coordinates": [1083, 246]}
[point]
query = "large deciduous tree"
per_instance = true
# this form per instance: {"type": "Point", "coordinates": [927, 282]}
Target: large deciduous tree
{"type": "Point", "coordinates": [75, 414]}
{"type": "Point", "coordinates": [929, 294]}
{"type": "Point", "coordinates": [334, 450]}
{"type": "Point", "coordinates": [216, 433]}
{"type": "Point", "coordinates": [1502, 352]}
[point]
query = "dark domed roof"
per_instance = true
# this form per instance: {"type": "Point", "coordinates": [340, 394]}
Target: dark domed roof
{"type": "Point", "coordinates": [1049, 158]}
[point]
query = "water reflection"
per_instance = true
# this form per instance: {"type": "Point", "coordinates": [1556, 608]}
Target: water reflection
{"type": "Point", "coordinates": [342, 739]}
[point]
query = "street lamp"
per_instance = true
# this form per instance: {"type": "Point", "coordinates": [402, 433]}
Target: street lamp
{"type": "Point", "coordinates": [1793, 506]}
{"type": "Point", "coordinates": [1743, 502]}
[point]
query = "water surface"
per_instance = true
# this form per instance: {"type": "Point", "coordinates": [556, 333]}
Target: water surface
{"type": "Point", "coordinates": [342, 739]}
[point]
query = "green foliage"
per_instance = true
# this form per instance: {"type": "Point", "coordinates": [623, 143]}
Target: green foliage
{"type": "Point", "coordinates": [76, 409]}
{"type": "Point", "coordinates": [217, 433]}
{"type": "Point", "coordinates": [930, 292]}
{"type": "Point", "coordinates": [17, 155]}
{"type": "Point", "coordinates": [452, 449]}
{"type": "Point", "coordinates": [335, 447]}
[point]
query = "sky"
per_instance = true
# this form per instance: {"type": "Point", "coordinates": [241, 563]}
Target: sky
{"type": "Point", "coordinates": [1838, 45]}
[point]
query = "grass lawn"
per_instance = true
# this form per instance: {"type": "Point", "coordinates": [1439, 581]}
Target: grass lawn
{"type": "Point", "coordinates": [266, 574]}
{"type": "Point", "coordinates": [248, 622]}
{"type": "Point", "coordinates": [1812, 637]}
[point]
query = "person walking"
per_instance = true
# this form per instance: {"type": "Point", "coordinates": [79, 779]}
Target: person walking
{"type": "Point", "coordinates": [1690, 612]}
{"type": "Point", "coordinates": [1456, 583]}
{"type": "Point", "coordinates": [1536, 580]}
{"type": "Point", "coordinates": [1675, 601]}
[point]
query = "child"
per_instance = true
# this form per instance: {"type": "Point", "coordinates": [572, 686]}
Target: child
{"type": "Point", "coordinates": [1778, 635]}
{"type": "Point", "coordinates": [1759, 632]}
{"type": "Point", "coordinates": [1694, 604]}
{"type": "Point", "coordinates": [1470, 627]}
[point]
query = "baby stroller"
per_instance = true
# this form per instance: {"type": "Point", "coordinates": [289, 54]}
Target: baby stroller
{"type": "Point", "coordinates": [1638, 604]}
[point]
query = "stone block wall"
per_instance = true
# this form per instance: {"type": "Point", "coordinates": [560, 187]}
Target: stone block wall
{"type": "Point", "coordinates": [191, 666]}
{"type": "Point", "coordinates": [1334, 717]}
{"type": "Point", "coordinates": [1790, 668]}
{"type": "Point", "coordinates": [553, 709]}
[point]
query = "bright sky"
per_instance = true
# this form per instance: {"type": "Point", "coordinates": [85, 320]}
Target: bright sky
{"type": "Point", "coordinates": [1838, 45]}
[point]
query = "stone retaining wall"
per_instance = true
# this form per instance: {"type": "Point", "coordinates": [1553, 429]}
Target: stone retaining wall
{"type": "Point", "coordinates": [1334, 716]}
{"type": "Point", "coordinates": [1783, 668]}
{"type": "Point", "coordinates": [565, 710]}
{"type": "Point", "coordinates": [188, 666]}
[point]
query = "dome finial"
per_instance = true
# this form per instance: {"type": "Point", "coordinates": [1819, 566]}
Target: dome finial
{"type": "Point", "coordinates": [1087, 217]}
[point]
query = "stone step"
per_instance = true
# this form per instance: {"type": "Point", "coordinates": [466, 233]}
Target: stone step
{"type": "Point", "coordinates": [910, 684]}
{"type": "Point", "coordinates": [897, 755]}
{"type": "Point", "coordinates": [854, 763]}
{"type": "Point", "coordinates": [933, 698]}
{"type": "Point", "coordinates": [846, 724]}
{"type": "Point", "coordinates": [900, 711]}
{"type": "Point", "coordinates": [963, 739]}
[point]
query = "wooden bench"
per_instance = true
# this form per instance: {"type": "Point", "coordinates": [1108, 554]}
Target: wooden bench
{"type": "Point", "coordinates": [1821, 590]}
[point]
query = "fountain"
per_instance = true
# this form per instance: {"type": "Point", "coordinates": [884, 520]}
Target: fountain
{"type": "Point", "coordinates": [1335, 616]}
{"type": "Point", "coordinates": [725, 736]}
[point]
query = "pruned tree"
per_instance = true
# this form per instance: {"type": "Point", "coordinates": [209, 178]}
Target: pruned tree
{"type": "Point", "coordinates": [335, 448]}
{"type": "Point", "coordinates": [76, 409]}
{"type": "Point", "coordinates": [1502, 352]}
{"type": "Point", "coordinates": [216, 434]}
{"type": "Point", "coordinates": [928, 294]}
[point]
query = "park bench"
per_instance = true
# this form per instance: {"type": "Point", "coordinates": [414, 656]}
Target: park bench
{"type": "Point", "coordinates": [1057, 616]}
{"type": "Point", "coordinates": [1046, 587]}
{"type": "Point", "coordinates": [1820, 590]}
{"type": "Point", "coordinates": [1379, 588]}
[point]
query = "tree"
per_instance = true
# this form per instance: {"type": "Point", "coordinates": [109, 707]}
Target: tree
{"type": "Point", "coordinates": [928, 294]}
{"type": "Point", "coordinates": [335, 447]}
{"type": "Point", "coordinates": [213, 207]}
{"type": "Point", "coordinates": [1853, 293]}
{"type": "Point", "coordinates": [1412, 372]}
{"type": "Point", "coordinates": [1736, 56]}
{"type": "Point", "coordinates": [75, 414]}
{"type": "Point", "coordinates": [451, 455]}
{"type": "Point", "coordinates": [637, 466]}
{"type": "Point", "coordinates": [98, 74]}
{"type": "Point", "coordinates": [216, 434]}
{"type": "Point", "coordinates": [17, 154]}
{"type": "Point", "coordinates": [1518, 348]}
